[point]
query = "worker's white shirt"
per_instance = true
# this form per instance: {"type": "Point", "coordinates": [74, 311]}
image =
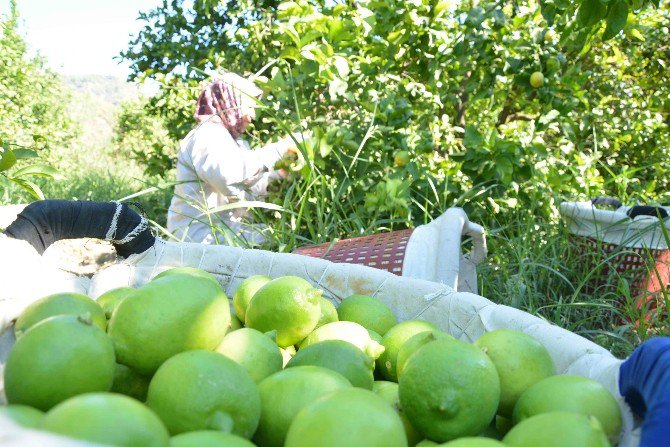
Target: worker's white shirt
{"type": "Point", "coordinates": [218, 170]}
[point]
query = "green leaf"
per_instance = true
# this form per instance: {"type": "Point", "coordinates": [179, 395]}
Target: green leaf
{"type": "Point", "coordinates": [472, 138]}
{"type": "Point", "coordinates": [7, 159]}
{"type": "Point", "coordinates": [30, 187]}
{"type": "Point", "coordinates": [590, 12]}
{"type": "Point", "coordinates": [616, 19]}
{"type": "Point", "coordinates": [23, 153]}
{"type": "Point", "coordinates": [42, 170]}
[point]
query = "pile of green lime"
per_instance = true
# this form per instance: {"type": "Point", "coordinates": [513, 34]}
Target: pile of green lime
{"type": "Point", "coordinates": [176, 363]}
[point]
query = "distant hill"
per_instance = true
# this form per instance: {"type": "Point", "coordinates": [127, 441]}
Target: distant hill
{"type": "Point", "coordinates": [109, 89]}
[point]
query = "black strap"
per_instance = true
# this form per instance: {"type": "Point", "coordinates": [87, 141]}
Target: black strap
{"type": "Point", "coordinates": [44, 222]}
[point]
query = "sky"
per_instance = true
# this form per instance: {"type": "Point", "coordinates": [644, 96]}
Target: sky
{"type": "Point", "coordinates": [80, 37]}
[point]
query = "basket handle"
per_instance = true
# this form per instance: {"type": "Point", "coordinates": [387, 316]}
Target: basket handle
{"type": "Point", "coordinates": [606, 201]}
{"type": "Point", "coordinates": [643, 210]}
{"type": "Point", "coordinates": [478, 235]}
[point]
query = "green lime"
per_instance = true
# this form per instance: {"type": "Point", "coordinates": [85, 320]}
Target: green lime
{"type": "Point", "coordinates": [58, 358]}
{"type": "Point", "coordinates": [427, 443]}
{"type": "Point", "coordinates": [206, 438]}
{"type": "Point", "coordinates": [254, 351]}
{"type": "Point", "coordinates": [287, 354]}
{"type": "Point", "coordinates": [369, 312]}
{"type": "Point", "coordinates": [168, 315]}
{"type": "Point", "coordinates": [189, 271]}
{"type": "Point", "coordinates": [389, 392]}
{"type": "Point", "coordinates": [503, 424]}
{"type": "Point", "coordinates": [574, 394]}
{"type": "Point", "coordinates": [375, 336]}
{"type": "Point", "coordinates": [350, 417]}
{"type": "Point", "coordinates": [23, 415]}
{"type": "Point", "coordinates": [328, 312]}
{"type": "Point", "coordinates": [289, 305]}
{"type": "Point", "coordinates": [235, 324]}
{"type": "Point", "coordinates": [393, 341]}
{"type": "Point", "coordinates": [106, 418]}
{"type": "Point", "coordinates": [558, 429]}
{"type": "Point", "coordinates": [60, 304]}
{"type": "Point", "coordinates": [347, 331]}
{"type": "Point", "coordinates": [341, 357]}
{"type": "Point", "coordinates": [521, 362]}
{"type": "Point", "coordinates": [414, 343]}
{"type": "Point", "coordinates": [449, 389]}
{"type": "Point", "coordinates": [245, 292]}
{"type": "Point", "coordinates": [130, 383]}
{"type": "Point", "coordinates": [287, 392]}
{"type": "Point", "coordinates": [110, 300]}
{"type": "Point", "coordinates": [401, 158]}
{"type": "Point", "coordinates": [473, 442]}
{"type": "Point", "coordinates": [202, 390]}
{"type": "Point", "coordinates": [536, 79]}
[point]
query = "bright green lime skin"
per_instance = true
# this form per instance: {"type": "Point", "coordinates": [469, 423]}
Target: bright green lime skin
{"type": "Point", "coordinates": [112, 298]}
{"type": "Point", "coordinates": [191, 271]}
{"type": "Point", "coordinates": [289, 305]}
{"type": "Point", "coordinates": [328, 312]}
{"type": "Point", "coordinates": [107, 418]}
{"type": "Point", "coordinates": [169, 315]}
{"type": "Point", "coordinates": [393, 340]}
{"type": "Point", "coordinates": [60, 304]}
{"type": "Point", "coordinates": [208, 438]}
{"type": "Point", "coordinates": [254, 351]}
{"type": "Point", "coordinates": [573, 394]}
{"type": "Point", "coordinates": [130, 383]}
{"type": "Point", "coordinates": [414, 343]}
{"type": "Point", "coordinates": [521, 362]}
{"type": "Point", "coordinates": [389, 392]}
{"type": "Point", "coordinates": [245, 292]}
{"type": "Point", "coordinates": [202, 390]}
{"type": "Point", "coordinates": [347, 331]}
{"type": "Point", "coordinates": [58, 358]}
{"type": "Point", "coordinates": [449, 389]}
{"type": "Point", "coordinates": [351, 417]}
{"type": "Point", "coordinates": [473, 442]}
{"type": "Point", "coordinates": [338, 356]}
{"type": "Point", "coordinates": [23, 415]}
{"type": "Point", "coordinates": [558, 429]}
{"type": "Point", "coordinates": [286, 393]}
{"type": "Point", "coordinates": [369, 312]}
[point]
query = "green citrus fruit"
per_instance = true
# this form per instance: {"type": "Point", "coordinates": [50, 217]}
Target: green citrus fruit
{"type": "Point", "coordinates": [521, 361]}
{"type": "Point", "coordinates": [553, 64]}
{"type": "Point", "coordinates": [202, 390]}
{"type": "Point", "coordinates": [254, 351]}
{"type": "Point", "coordinates": [401, 158]}
{"type": "Point", "coordinates": [287, 392]}
{"type": "Point", "coordinates": [207, 438]}
{"type": "Point", "coordinates": [389, 392]}
{"type": "Point", "coordinates": [550, 36]}
{"type": "Point", "coordinates": [112, 298]}
{"type": "Point", "coordinates": [189, 271]}
{"type": "Point", "coordinates": [572, 394]}
{"type": "Point", "coordinates": [328, 312]}
{"type": "Point", "coordinates": [58, 358]}
{"type": "Point", "coordinates": [473, 442]}
{"type": "Point", "coordinates": [60, 304]}
{"type": "Point", "coordinates": [347, 331]}
{"type": "Point", "coordinates": [393, 341]}
{"type": "Point", "coordinates": [289, 305]}
{"type": "Point", "coordinates": [427, 443]}
{"type": "Point", "coordinates": [341, 357]}
{"type": "Point", "coordinates": [369, 312]}
{"type": "Point", "coordinates": [558, 429]}
{"type": "Point", "coordinates": [130, 383]}
{"type": "Point", "coordinates": [414, 343]}
{"type": "Point", "coordinates": [350, 417]}
{"type": "Point", "coordinates": [375, 336]}
{"type": "Point", "coordinates": [449, 389]}
{"type": "Point", "coordinates": [536, 79]}
{"type": "Point", "coordinates": [245, 292]}
{"type": "Point", "coordinates": [168, 315]}
{"type": "Point", "coordinates": [23, 415]}
{"type": "Point", "coordinates": [287, 354]}
{"type": "Point", "coordinates": [106, 418]}
{"type": "Point", "coordinates": [235, 324]}
{"type": "Point", "coordinates": [503, 424]}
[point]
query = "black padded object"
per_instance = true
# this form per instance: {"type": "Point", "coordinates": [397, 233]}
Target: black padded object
{"type": "Point", "coordinates": [641, 210]}
{"type": "Point", "coordinates": [44, 222]}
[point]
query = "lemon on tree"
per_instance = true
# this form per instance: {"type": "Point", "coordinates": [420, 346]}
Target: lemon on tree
{"type": "Point", "coordinates": [347, 331]}
{"type": "Point", "coordinates": [60, 304]}
{"type": "Point", "coordinates": [23, 415]}
{"type": "Point", "coordinates": [537, 79]}
{"type": "Point", "coordinates": [245, 292]}
{"type": "Point", "coordinates": [107, 418]}
{"type": "Point", "coordinates": [401, 158]}
{"type": "Point", "coordinates": [208, 438]}
{"type": "Point", "coordinates": [350, 417]}
{"type": "Point", "coordinates": [393, 340]}
{"type": "Point", "coordinates": [58, 358]}
{"type": "Point", "coordinates": [203, 390]}
{"type": "Point", "coordinates": [256, 352]}
{"type": "Point", "coordinates": [286, 393]}
{"type": "Point", "coordinates": [389, 392]}
{"type": "Point", "coordinates": [173, 313]}
{"type": "Point", "coordinates": [572, 394]}
{"type": "Point", "coordinates": [521, 362]}
{"type": "Point", "coordinates": [288, 305]}
{"type": "Point", "coordinates": [557, 429]}
{"type": "Point", "coordinates": [341, 357]}
{"type": "Point", "coordinates": [369, 312]}
{"type": "Point", "coordinates": [449, 389]}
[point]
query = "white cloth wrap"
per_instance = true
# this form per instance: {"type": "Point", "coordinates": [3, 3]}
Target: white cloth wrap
{"type": "Point", "coordinates": [464, 315]}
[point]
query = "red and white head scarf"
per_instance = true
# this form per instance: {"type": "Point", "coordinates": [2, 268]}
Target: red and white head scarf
{"type": "Point", "coordinates": [226, 100]}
